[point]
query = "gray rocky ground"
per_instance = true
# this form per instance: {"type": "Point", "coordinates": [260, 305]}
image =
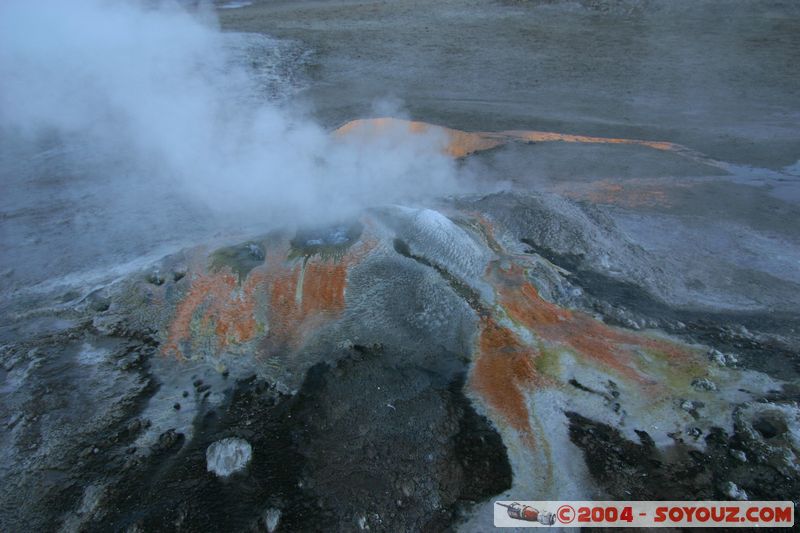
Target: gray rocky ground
{"type": "Point", "coordinates": [620, 323]}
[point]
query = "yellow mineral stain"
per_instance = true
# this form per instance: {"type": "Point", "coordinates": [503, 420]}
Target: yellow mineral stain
{"type": "Point", "coordinates": [607, 346]}
{"type": "Point", "coordinates": [549, 136]}
{"type": "Point", "coordinates": [504, 366]}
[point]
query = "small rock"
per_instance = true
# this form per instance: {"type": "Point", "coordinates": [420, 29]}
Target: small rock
{"type": "Point", "coordinates": [155, 277]}
{"type": "Point", "coordinates": [704, 384]}
{"type": "Point", "coordinates": [130, 361]}
{"type": "Point", "coordinates": [717, 356]}
{"type": "Point", "coordinates": [228, 456]}
{"type": "Point", "coordinates": [179, 272]}
{"type": "Point", "coordinates": [271, 518]}
{"type": "Point", "coordinates": [407, 486]}
{"type": "Point", "coordinates": [177, 406]}
{"type": "Point", "coordinates": [12, 421]}
{"type": "Point", "coordinates": [631, 324]}
{"type": "Point", "coordinates": [722, 359]}
{"type": "Point", "coordinates": [99, 304]}
{"type": "Point", "coordinates": [136, 425]}
{"type": "Point", "coordinates": [108, 324]}
{"type": "Point", "coordinates": [370, 452]}
{"type": "Point", "coordinates": [734, 492]}
{"type": "Point", "coordinates": [739, 455]}
{"type": "Point", "coordinates": [167, 440]}
{"type": "Point", "coordinates": [645, 438]}
{"type": "Point", "coordinates": [687, 406]}
{"type": "Point", "coordinates": [768, 432]}
{"type": "Point", "coordinates": [255, 251]}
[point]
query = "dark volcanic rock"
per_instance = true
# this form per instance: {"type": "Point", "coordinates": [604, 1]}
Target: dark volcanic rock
{"type": "Point", "coordinates": [393, 446]}
{"type": "Point", "coordinates": [627, 470]}
{"type": "Point", "coordinates": [368, 441]}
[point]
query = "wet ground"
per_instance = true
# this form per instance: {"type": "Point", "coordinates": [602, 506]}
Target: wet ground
{"type": "Point", "coordinates": [717, 77]}
{"type": "Point", "coordinates": [720, 77]}
{"type": "Point", "coordinates": [396, 379]}
{"type": "Point", "coordinates": [624, 312]}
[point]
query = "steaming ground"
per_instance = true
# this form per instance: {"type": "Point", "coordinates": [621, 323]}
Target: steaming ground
{"type": "Point", "coordinates": [130, 131]}
{"type": "Point", "coordinates": [424, 344]}
{"type": "Point", "coordinates": [525, 65]}
{"type": "Point", "coordinates": [74, 216]}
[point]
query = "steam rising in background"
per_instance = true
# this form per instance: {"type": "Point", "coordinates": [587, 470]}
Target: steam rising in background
{"type": "Point", "coordinates": [125, 125]}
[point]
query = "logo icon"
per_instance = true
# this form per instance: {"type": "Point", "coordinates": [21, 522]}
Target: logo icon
{"type": "Point", "coordinates": [527, 513]}
{"type": "Point", "coordinates": [566, 514]}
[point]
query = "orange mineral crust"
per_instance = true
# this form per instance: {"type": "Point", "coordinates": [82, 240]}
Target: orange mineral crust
{"type": "Point", "coordinates": [220, 301]}
{"type": "Point", "coordinates": [460, 143]}
{"type": "Point", "coordinates": [301, 298]}
{"type": "Point", "coordinates": [502, 372]}
{"type": "Point", "coordinates": [457, 143]}
{"type": "Point", "coordinates": [630, 194]}
{"type": "Point", "coordinates": [549, 136]}
{"type": "Point", "coordinates": [505, 367]}
{"type": "Point", "coordinates": [296, 296]}
{"type": "Point", "coordinates": [611, 347]}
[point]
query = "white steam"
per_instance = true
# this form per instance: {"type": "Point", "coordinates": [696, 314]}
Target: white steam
{"type": "Point", "coordinates": [152, 89]}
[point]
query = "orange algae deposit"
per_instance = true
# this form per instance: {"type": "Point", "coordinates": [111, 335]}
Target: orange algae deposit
{"type": "Point", "coordinates": [503, 371]}
{"type": "Point", "coordinates": [229, 307]}
{"type": "Point", "coordinates": [462, 143]}
{"type": "Point", "coordinates": [549, 136]}
{"type": "Point", "coordinates": [611, 347]}
{"type": "Point", "coordinates": [630, 194]}
{"type": "Point", "coordinates": [302, 297]}
{"type": "Point", "coordinates": [505, 367]}
{"type": "Point", "coordinates": [297, 296]}
{"type": "Point", "coordinates": [457, 143]}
